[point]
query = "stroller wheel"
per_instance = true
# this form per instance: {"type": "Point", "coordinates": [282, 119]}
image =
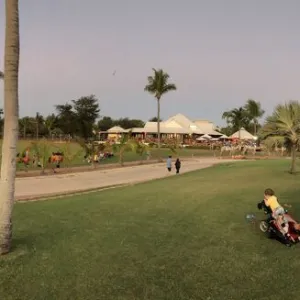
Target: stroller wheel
{"type": "Point", "coordinates": [263, 226]}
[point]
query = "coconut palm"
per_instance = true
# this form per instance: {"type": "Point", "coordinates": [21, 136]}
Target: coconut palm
{"type": "Point", "coordinates": [11, 122]}
{"type": "Point", "coordinates": [285, 123]}
{"type": "Point", "coordinates": [158, 85]}
{"type": "Point", "coordinates": [237, 118]}
{"type": "Point", "coordinates": [255, 112]}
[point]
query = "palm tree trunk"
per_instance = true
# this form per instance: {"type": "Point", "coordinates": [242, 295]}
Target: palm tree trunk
{"type": "Point", "coordinates": [37, 129]}
{"type": "Point", "coordinates": [255, 127]}
{"type": "Point", "coordinates": [293, 154]}
{"type": "Point", "coordinates": [158, 123]}
{"type": "Point", "coordinates": [11, 124]}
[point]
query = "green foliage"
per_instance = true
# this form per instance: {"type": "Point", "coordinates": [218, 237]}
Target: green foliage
{"type": "Point", "coordinates": [69, 154]}
{"type": "Point", "coordinates": [254, 110]}
{"type": "Point", "coordinates": [246, 116]}
{"type": "Point", "coordinates": [42, 150]}
{"type": "Point", "coordinates": [158, 84]}
{"type": "Point", "coordinates": [237, 118]}
{"type": "Point", "coordinates": [86, 110]}
{"type": "Point", "coordinates": [106, 123]}
{"type": "Point", "coordinates": [284, 124]}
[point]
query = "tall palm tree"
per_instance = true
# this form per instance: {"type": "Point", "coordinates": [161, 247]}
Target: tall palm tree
{"type": "Point", "coordinates": [38, 121]}
{"type": "Point", "coordinates": [285, 123]}
{"type": "Point", "coordinates": [1, 110]}
{"type": "Point", "coordinates": [50, 122]}
{"type": "Point", "coordinates": [11, 122]}
{"type": "Point", "coordinates": [237, 118]}
{"type": "Point", "coordinates": [158, 85]}
{"type": "Point", "coordinates": [255, 112]}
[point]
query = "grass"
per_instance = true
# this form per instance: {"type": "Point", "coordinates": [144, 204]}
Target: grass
{"type": "Point", "coordinates": [183, 237]}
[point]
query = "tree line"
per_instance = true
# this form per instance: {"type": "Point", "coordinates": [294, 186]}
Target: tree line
{"type": "Point", "coordinates": [77, 118]}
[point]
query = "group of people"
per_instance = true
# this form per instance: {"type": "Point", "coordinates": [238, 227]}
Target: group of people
{"type": "Point", "coordinates": [278, 212]}
{"type": "Point", "coordinates": [177, 164]}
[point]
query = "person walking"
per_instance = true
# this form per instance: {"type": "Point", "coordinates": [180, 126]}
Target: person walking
{"type": "Point", "coordinates": [177, 165]}
{"type": "Point", "coordinates": [169, 163]}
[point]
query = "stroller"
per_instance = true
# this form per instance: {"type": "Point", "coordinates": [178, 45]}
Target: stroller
{"type": "Point", "coordinates": [271, 228]}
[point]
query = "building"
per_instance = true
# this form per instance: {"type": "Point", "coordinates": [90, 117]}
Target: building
{"type": "Point", "coordinates": [178, 126]}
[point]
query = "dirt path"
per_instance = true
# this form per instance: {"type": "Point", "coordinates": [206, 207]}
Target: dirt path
{"type": "Point", "coordinates": [34, 188]}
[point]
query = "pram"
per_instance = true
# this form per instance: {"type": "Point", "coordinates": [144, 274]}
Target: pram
{"type": "Point", "coordinates": [272, 229]}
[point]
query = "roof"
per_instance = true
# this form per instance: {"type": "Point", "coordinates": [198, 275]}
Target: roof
{"type": "Point", "coordinates": [116, 129]}
{"type": "Point", "coordinates": [181, 120]}
{"type": "Point", "coordinates": [243, 134]}
{"type": "Point", "coordinates": [207, 127]}
{"type": "Point", "coordinates": [179, 124]}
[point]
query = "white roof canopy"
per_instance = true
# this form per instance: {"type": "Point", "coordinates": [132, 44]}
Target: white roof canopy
{"type": "Point", "coordinates": [243, 134]}
{"type": "Point", "coordinates": [116, 129]}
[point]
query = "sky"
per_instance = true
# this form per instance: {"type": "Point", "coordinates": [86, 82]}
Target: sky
{"type": "Point", "coordinates": [219, 54]}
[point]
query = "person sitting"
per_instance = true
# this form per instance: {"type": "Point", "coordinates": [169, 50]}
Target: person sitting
{"type": "Point", "coordinates": [278, 211]}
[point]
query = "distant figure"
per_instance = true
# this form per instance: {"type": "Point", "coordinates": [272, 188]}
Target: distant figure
{"type": "Point", "coordinates": [169, 163]}
{"type": "Point", "coordinates": [177, 165]}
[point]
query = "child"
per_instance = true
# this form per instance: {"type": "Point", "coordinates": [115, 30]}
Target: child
{"type": "Point", "coordinates": [277, 210]}
{"type": "Point", "coordinates": [177, 165]}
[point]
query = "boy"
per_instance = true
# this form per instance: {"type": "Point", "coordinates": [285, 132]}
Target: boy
{"type": "Point", "coordinates": [277, 210]}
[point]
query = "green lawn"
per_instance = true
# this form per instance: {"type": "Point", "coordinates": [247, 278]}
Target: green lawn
{"type": "Point", "coordinates": [183, 237]}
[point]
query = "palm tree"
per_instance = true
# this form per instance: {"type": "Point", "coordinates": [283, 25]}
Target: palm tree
{"type": "Point", "coordinates": [285, 123]}
{"type": "Point", "coordinates": [158, 86]}
{"type": "Point", "coordinates": [50, 122]}
{"type": "Point", "coordinates": [237, 118]}
{"type": "Point", "coordinates": [255, 112]}
{"type": "Point", "coordinates": [38, 120]}
{"type": "Point", "coordinates": [11, 122]}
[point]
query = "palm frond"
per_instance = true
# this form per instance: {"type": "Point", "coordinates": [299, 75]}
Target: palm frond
{"type": "Point", "coordinates": [158, 83]}
{"type": "Point", "coordinates": [284, 122]}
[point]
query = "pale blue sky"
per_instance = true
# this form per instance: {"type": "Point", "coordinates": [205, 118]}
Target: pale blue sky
{"type": "Point", "coordinates": [219, 53]}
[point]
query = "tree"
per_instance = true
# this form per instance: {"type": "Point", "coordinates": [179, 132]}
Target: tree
{"type": "Point", "coordinates": [237, 118]}
{"type": "Point", "coordinates": [255, 112]}
{"type": "Point", "coordinates": [11, 122]}
{"type": "Point", "coordinates": [285, 123]}
{"type": "Point", "coordinates": [1, 110]}
{"type": "Point", "coordinates": [154, 119]}
{"type": "Point", "coordinates": [105, 123]}
{"type": "Point", "coordinates": [39, 122]}
{"type": "Point", "coordinates": [50, 124]}
{"type": "Point", "coordinates": [127, 123]}
{"type": "Point", "coordinates": [87, 111]}
{"type": "Point", "coordinates": [66, 119]}
{"type": "Point", "coordinates": [158, 85]}
{"type": "Point", "coordinates": [24, 125]}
